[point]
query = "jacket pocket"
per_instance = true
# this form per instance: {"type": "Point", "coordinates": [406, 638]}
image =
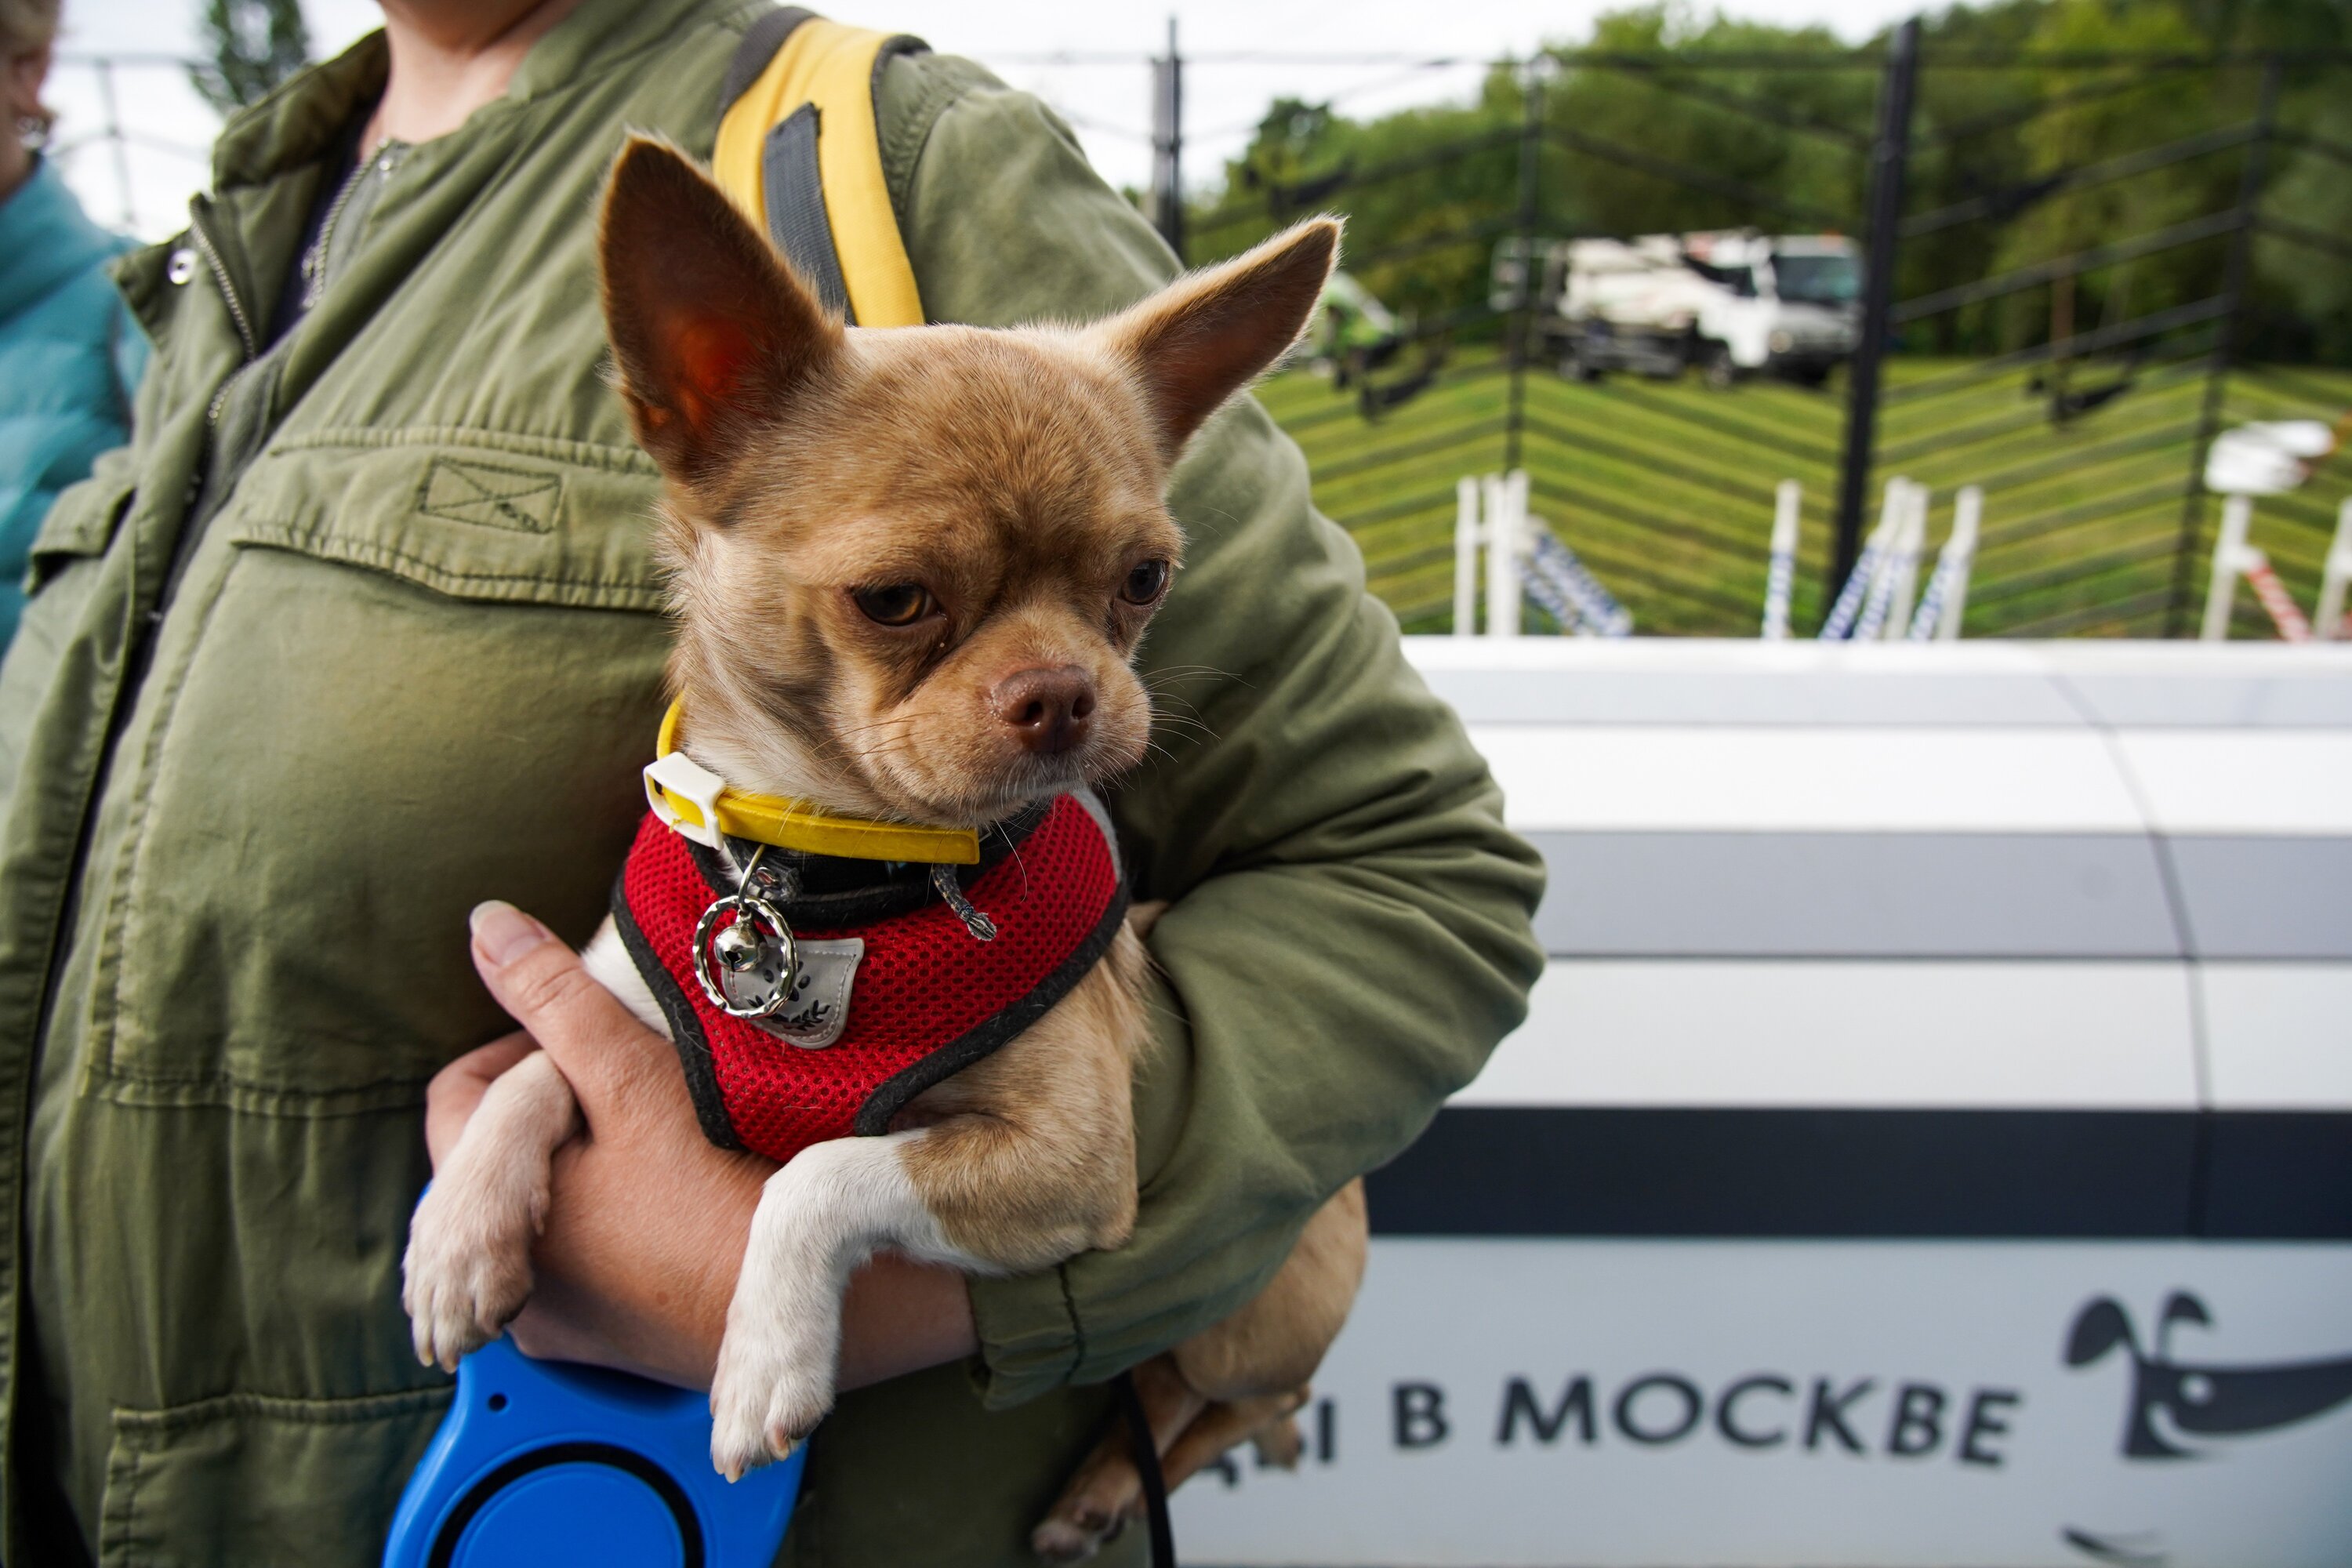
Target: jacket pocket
{"type": "Point", "coordinates": [406, 673]}
{"type": "Point", "coordinates": [79, 527]}
{"type": "Point", "coordinates": [472, 515]}
{"type": "Point", "coordinates": [258, 1482]}
{"type": "Point", "coordinates": [62, 580]}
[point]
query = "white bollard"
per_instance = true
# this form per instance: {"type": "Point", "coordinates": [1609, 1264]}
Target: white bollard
{"type": "Point", "coordinates": [1466, 557]}
{"type": "Point", "coordinates": [1908, 549]}
{"type": "Point", "coordinates": [1506, 500]}
{"type": "Point", "coordinates": [2230, 557]}
{"type": "Point", "coordinates": [2334, 576]}
{"type": "Point", "coordinates": [1781, 576]}
{"type": "Point", "coordinates": [1946, 598]}
{"type": "Point", "coordinates": [1901, 514]}
{"type": "Point", "coordinates": [1861, 584]}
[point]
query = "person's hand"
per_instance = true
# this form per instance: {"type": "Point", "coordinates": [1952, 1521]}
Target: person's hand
{"type": "Point", "coordinates": [646, 1231]}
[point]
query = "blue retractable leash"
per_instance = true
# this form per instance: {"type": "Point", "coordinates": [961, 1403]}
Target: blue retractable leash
{"type": "Point", "coordinates": [542, 1462]}
{"type": "Point", "coordinates": [573, 1467]}
{"type": "Point", "coordinates": [546, 1463]}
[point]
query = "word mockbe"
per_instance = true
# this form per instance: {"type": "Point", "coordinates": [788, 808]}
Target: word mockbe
{"type": "Point", "coordinates": [1760, 1412]}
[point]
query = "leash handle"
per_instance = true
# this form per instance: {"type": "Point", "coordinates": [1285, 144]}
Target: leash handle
{"type": "Point", "coordinates": [1147, 1466]}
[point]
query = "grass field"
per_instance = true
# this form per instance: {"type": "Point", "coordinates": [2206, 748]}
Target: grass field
{"type": "Point", "coordinates": [1666, 488]}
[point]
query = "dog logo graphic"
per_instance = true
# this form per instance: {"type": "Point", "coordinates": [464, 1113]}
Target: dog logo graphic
{"type": "Point", "coordinates": [2174, 1401]}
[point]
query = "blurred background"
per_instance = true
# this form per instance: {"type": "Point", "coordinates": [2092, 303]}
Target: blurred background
{"type": "Point", "coordinates": [1934, 1123]}
{"type": "Point", "coordinates": [1627, 252]}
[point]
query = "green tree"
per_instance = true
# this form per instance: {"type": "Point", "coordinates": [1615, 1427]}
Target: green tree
{"type": "Point", "coordinates": [1714, 136]}
{"type": "Point", "coordinates": [1427, 191]}
{"type": "Point", "coordinates": [1668, 121]}
{"type": "Point", "coordinates": [254, 45]}
{"type": "Point", "coordinates": [2092, 117]}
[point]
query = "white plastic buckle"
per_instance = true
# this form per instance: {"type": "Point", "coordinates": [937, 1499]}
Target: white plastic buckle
{"type": "Point", "coordinates": [681, 774]}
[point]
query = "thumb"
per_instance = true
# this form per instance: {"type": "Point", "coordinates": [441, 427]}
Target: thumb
{"type": "Point", "coordinates": [594, 1041]}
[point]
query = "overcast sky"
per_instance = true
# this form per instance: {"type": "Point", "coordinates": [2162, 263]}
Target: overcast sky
{"type": "Point", "coordinates": [167, 126]}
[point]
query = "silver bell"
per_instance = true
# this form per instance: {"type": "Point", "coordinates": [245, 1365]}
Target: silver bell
{"type": "Point", "coordinates": [738, 947]}
{"type": "Point", "coordinates": [747, 967]}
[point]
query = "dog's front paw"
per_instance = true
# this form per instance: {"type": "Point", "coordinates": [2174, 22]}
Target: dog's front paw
{"type": "Point", "coordinates": [770, 1390]}
{"type": "Point", "coordinates": [466, 1275]}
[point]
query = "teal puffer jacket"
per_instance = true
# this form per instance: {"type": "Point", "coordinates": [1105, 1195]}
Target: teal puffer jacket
{"type": "Point", "coordinates": [71, 356]}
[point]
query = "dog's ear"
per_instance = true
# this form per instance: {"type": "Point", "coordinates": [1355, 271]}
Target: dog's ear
{"type": "Point", "coordinates": [711, 333]}
{"type": "Point", "coordinates": [1208, 334]}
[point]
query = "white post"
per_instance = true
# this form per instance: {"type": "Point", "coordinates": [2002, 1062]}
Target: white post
{"type": "Point", "coordinates": [1523, 543]}
{"type": "Point", "coordinates": [1908, 547]}
{"type": "Point", "coordinates": [2335, 574]}
{"type": "Point", "coordinates": [1967, 512]}
{"type": "Point", "coordinates": [2228, 561]}
{"type": "Point", "coordinates": [1502, 558]}
{"type": "Point", "coordinates": [1781, 577]}
{"type": "Point", "coordinates": [1466, 557]}
{"type": "Point", "coordinates": [1895, 539]}
{"type": "Point", "coordinates": [1862, 584]}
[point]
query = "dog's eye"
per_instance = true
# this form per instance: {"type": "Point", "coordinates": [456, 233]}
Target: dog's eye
{"type": "Point", "coordinates": [898, 604]}
{"type": "Point", "coordinates": [1146, 583]}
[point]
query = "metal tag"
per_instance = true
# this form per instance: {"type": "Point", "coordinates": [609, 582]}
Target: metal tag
{"type": "Point", "coordinates": [746, 963]}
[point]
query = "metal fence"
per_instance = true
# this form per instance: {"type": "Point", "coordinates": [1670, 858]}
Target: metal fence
{"type": "Point", "coordinates": [2060, 306]}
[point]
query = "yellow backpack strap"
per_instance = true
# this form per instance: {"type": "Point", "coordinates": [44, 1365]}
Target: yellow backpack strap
{"type": "Point", "coordinates": [800, 151]}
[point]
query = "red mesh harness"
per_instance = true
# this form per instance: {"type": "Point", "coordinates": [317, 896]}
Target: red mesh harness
{"type": "Point", "coordinates": [928, 998]}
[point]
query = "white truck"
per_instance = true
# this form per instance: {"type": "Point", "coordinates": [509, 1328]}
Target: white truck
{"type": "Point", "coordinates": [1734, 303]}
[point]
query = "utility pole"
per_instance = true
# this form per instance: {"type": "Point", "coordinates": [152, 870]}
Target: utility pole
{"type": "Point", "coordinates": [1521, 344]}
{"type": "Point", "coordinates": [2225, 343]}
{"type": "Point", "coordinates": [117, 140]}
{"type": "Point", "coordinates": [1890, 157]}
{"type": "Point", "coordinates": [1168, 145]}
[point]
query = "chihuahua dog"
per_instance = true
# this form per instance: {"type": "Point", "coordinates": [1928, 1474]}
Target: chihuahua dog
{"type": "Point", "coordinates": [910, 570]}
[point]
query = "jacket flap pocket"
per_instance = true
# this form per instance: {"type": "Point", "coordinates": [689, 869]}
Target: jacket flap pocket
{"type": "Point", "coordinates": [81, 524]}
{"type": "Point", "coordinates": [259, 1481]}
{"type": "Point", "coordinates": [473, 514]}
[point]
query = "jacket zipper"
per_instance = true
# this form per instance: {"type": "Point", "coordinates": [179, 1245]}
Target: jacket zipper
{"type": "Point", "coordinates": [141, 652]}
{"type": "Point", "coordinates": [314, 263]}
{"type": "Point", "coordinates": [143, 647]}
{"type": "Point", "coordinates": [210, 250]}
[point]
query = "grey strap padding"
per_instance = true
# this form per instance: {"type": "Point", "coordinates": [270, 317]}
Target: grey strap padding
{"type": "Point", "coordinates": [796, 219]}
{"type": "Point", "coordinates": [761, 41]}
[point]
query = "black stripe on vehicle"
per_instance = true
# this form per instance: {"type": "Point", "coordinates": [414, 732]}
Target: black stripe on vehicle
{"type": "Point", "coordinates": [1543, 1171]}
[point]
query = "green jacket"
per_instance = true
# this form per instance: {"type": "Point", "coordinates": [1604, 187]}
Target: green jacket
{"type": "Point", "coordinates": [365, 630]}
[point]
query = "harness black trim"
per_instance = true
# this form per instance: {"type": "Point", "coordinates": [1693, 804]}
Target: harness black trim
{"type": "Point", "coordinates": [685, 1027]}
{"type": "Point", "coordinates": [937, 1066]}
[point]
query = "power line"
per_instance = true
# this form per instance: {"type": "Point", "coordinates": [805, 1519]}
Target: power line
{"type": "Point", "coordinates": [133, 60]}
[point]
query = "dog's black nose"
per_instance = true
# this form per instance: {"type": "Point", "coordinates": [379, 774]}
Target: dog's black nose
{"type": "Point", "coordinates": [1049, 710]}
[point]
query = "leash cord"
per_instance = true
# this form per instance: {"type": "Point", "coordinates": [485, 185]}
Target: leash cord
{"type": "Point", "coordinates": [1147, 1466]}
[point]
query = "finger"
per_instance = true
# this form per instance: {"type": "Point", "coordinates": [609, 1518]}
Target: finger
{"type": "Point", "coordinates": [538, 979]}
{"type": "Point", "coordinates": [457, 1088]}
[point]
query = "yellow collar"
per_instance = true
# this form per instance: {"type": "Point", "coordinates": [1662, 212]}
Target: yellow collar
{"type": "Point", "coordinates": [690, 797]}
